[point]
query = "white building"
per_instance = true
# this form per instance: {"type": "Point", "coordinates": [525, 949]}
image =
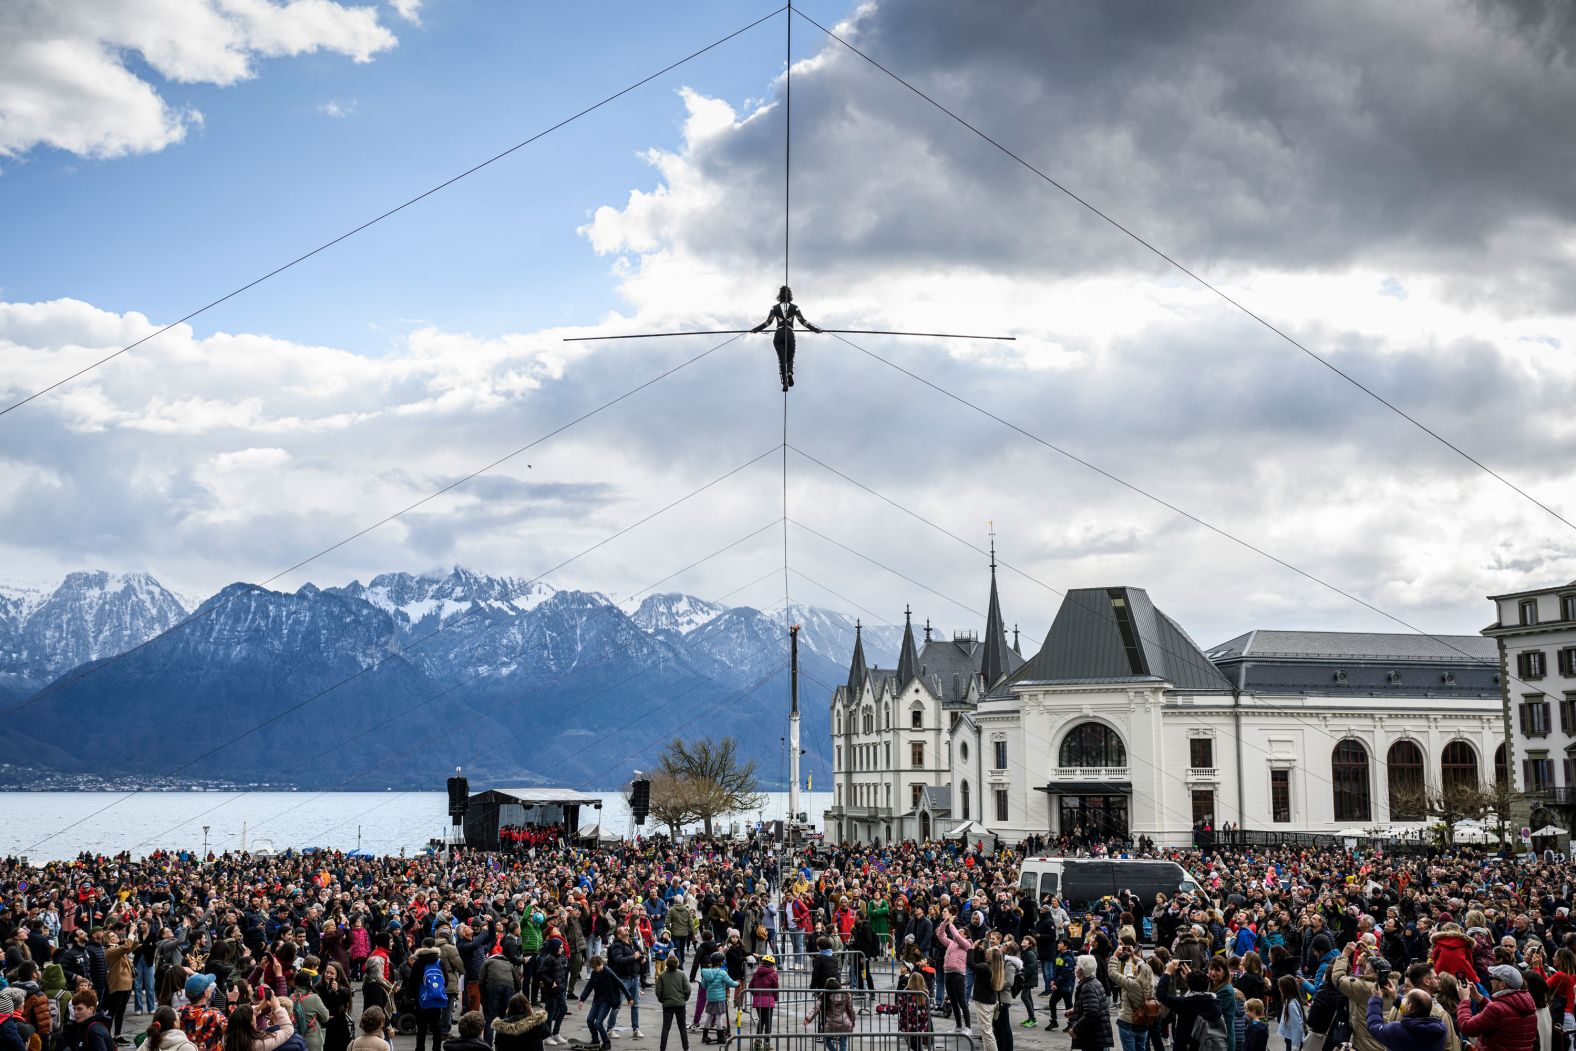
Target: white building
{"type": "Point", "coordinates": [1535, 632]}
{"type": "Point", "coordinates": [892, 730]}
{"type": "Point", "coordinates": [1120, 724]}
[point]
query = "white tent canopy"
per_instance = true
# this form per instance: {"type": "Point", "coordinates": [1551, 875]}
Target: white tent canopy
{"type": "Point", "coordinates": [598, 833]}
{"type": "Point", "coordinates": [1551, 830]}
{"type": "Point", "coordinates": [970, 830]}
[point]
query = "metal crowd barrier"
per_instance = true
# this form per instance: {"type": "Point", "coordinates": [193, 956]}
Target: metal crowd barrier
{"type": "Point", "coordinates": [851, 1042]}
{"type": "Point", "coordinates": [801, 961]}
{"type": "Point", "coordinates": [876, 1011]}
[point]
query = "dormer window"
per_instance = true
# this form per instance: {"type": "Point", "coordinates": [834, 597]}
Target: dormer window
{"type": "Point", "coordinates": [916, 719]}
{"type": "Point", "coordinates": [1568, 607]}
{"type": "Point", "coordinates": [1394, 678]}
{"type": "Point", "coordinates": [1449, 678]}
{"type": "Point", "coordinates": [1340, 676]}
{"type": "Point", "coordinates": [1528, 608]}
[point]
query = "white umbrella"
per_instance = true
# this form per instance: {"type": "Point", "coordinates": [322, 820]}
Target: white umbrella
{"type": "Point", "coordinates": [1551, 830]}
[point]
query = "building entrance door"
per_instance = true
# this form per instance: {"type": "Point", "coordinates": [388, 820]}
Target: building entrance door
{"type": "Point", "coordinates": [1094, 818]}
{"type": "Point", "coordinates": [1204, 807]}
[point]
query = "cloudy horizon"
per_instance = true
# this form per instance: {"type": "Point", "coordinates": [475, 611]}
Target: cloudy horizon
{"type": "Point", "coordinates": [1397, 201]}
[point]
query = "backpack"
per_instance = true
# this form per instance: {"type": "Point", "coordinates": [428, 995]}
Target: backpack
{"type": "Point", "coordinates": [1017, 983]}
{"type": "Point", "coordinates": [305, 1022]}
{"type": "Point", "coordinates": [1207, 1037]}
{"type": "Point", "coordinates": [434, 990]}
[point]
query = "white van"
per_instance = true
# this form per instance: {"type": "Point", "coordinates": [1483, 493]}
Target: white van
{"type": "Point", "coordinates": [1081, 881]}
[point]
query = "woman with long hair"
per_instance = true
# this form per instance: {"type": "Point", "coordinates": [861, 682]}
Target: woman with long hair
{"type": "Point", "coordinates": [1562, 992]}
{"type": "Point", "coordinates": [1293, 1020]}
{"type": "Point", "coordinates": [164, 1033]}
{"type": "Point", "coordinates": [990, 976]}
{"type": "Point", "coordinates": [913, 1011]}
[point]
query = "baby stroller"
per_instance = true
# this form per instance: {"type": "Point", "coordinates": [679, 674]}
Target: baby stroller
{"type": "Point", "coordinates": [405, 1006]}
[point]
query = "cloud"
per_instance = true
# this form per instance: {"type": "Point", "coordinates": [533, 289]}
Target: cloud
{"type": "Point", "coordinates": [1237, 138]}
{"type": "Point", "coordinates": [1329, 199]}
{"type": "Point", "coordinates": [68, 79]}
{"type": "Point", "coordinates": [337, 108]}
{"type": "Point", "coordinates": [409, 10]}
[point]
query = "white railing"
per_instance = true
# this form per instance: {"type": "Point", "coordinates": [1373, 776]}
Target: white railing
{"type": "Point", "coordinates": [1091, 773]}
{"type": "Point", "coordinates": [1202, 773]}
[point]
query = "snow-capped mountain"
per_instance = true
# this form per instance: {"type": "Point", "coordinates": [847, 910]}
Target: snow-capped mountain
{"type": "Point", "coordinates": [679, 614]}
{"type": "Point", "coordinates": [413, 599]}
{"type": "Point", "coordinates": [90, 615]}
{"type": "Point", "coordinates": [509, 678]}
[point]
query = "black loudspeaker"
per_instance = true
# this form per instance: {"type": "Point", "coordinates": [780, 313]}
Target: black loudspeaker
{"type": "Point", "coordinates": [459, 797]}
{"type": "Point", "coordinates": [640, 800]}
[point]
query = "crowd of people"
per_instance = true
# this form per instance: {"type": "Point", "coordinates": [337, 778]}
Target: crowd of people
{"type": "Point", "coordinates": [327, 952]}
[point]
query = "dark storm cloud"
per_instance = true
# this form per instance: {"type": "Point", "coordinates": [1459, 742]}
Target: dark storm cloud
{"type": "Point", "coordinates": [1231, 134]}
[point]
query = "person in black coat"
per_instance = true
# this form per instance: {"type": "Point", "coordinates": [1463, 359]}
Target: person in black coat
{"type": "Point", "coordinates": [1198, 1002]}
{"type": "Point", "coordinates": [823, 966]}
{"type": "Point", "coordinates": [783, 314]}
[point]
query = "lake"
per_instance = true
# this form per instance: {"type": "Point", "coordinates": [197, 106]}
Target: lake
{"type": "Point", "coordinates": [379, 822]}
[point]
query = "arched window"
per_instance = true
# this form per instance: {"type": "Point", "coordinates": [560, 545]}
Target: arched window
{"type": "Point", "coordinates": [886, 717]}
{"type": "Point", "coordinates": [965, 800]}
{"type": "Point", "coordinates": [1093, 744]}
{"type": "Point", "coordinates": [870, 721]}
{"type": "Point", "coordinates": [1458, 767]}
{"type": "Point", "coordinates": [1501, 768]}
{"type": "Point", "coordinates": [1349, 776]}
{"type": "Point", "coordinates": [1405, 763]}
{"type": "Point", "coordinates": [839, 721]}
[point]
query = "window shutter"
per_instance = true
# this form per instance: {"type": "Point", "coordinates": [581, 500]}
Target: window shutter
{"type": "Point", "coordinates": [1523, 712]}
{"type": "Point", "coordinates": [1521, 665]}
{"type": "Point", "coordinates": [1570, 773]}
{"type": "Point", "coordinates": [1565, 721]}
{"type": "Point", "coordinates": [1526, 773]}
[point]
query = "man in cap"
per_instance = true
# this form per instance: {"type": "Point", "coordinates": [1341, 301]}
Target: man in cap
{"type": "Point", "coordinates": [1505, 1020]}
{"type": "Point", "coordinates": [200, 1021]}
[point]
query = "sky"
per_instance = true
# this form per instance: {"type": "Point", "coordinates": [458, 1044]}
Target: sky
{"type": "Point", "coordinates": [1389, 187]}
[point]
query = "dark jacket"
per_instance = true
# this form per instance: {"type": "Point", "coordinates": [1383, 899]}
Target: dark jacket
{"type": "Point", "coordinates": [983, 993]}
{"type": "Point", "coordinates": [1408, 1034]}
{"type": "Point", "coordinates": [1090, 1024]}
{"type": "Point", "coordinates": [623, 960]}
{"type": "Point", "coordinates": [521, 1032]}
{"type": "Point", "coordinates": [1184, 1009]}
{"type": "Point", "coordinates": [823, 967]}
{"type": "Point", "coordinates": [605, 986]}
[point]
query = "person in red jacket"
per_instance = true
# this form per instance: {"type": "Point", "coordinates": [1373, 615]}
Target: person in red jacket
{"type": "Point", "coordinates": [1452, 953]}
{"type": "Point", "coordinates": [1506, 1020]}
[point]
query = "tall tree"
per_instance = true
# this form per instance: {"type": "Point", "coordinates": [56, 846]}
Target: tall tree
{"type": "Point", "coordinates": [717, 782]}
{"type": "Point", "coordinates": [675, 801]}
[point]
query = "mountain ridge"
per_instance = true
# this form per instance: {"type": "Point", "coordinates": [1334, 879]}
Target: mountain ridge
{"type": "Point", "coordinates": [414, 673]}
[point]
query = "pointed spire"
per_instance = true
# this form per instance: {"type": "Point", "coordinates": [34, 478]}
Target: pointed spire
{"type": "Point", "coordinates": [927, 629]}
{"type": "Point", "coordinates": [908, 657]}
{"type": "Point", "coordinates": [856, 667]}
{"type": "Point", "coordinates": [993, 663]}
{"type": "Point", "coordinates": [1015, 648]}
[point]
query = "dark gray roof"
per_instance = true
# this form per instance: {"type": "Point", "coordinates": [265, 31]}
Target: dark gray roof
{"type": "Point", "coordinates": [939, 798]}
{"type": "Point", "coordinates": [856, 666]}
{"type": "Point", "coordinates": [1354, 646]}
{"type": "Point", "coordinates": [908, 656]}
{"type": "Point", "coordinates": [996, 652]}
{"type": "Point", "coordinates": [1117, 635]}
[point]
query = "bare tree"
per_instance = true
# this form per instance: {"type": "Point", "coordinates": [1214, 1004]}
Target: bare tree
{"type": "Point", "coordinates": [675, 801]}
{"type": "Point", "coordinates": [715, 778]}
{"type": "Point", "coordinates": [1455, 802]}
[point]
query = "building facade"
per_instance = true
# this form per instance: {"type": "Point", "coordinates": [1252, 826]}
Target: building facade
{"type": "Point", "coordinates": [1535, 636]}
{"type": "Point", "coordinates": [892, 731]}
{"type": "Point", "coordinates": [1122, 726]}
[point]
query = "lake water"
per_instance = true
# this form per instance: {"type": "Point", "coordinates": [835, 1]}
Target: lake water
{"type": "Point", "coordinates": [53, 825]}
